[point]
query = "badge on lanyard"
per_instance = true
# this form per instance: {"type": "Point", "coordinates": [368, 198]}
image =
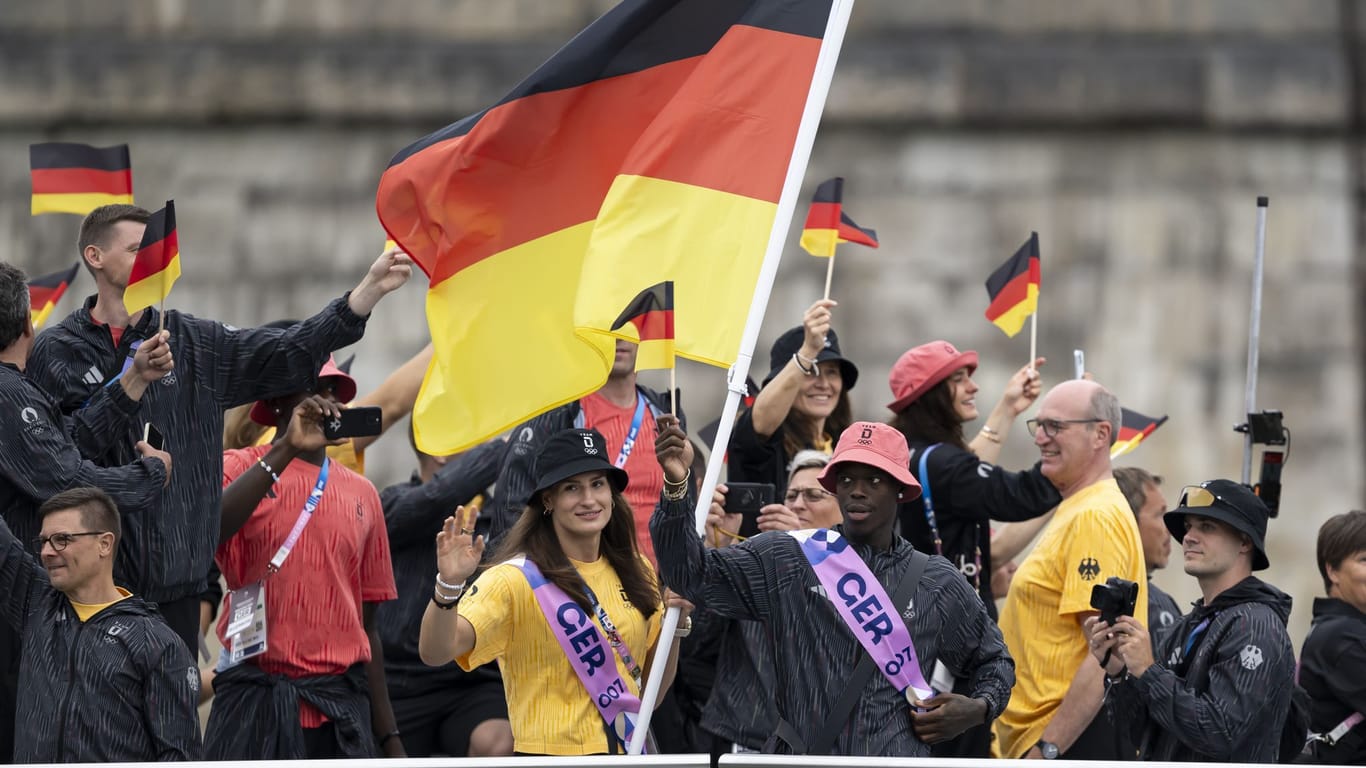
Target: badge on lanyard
{"type": "Point", "coordinates": [246, 631]}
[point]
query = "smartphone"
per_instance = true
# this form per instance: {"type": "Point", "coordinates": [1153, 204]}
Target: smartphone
{"type": "Point", "coordinates": [153, 437]}
{"type": "Point", "coordinates": [1078, 364]}
{"type": "Point", "coordinates": [354, 422]}
{"type": "Point", "coordinates": [748, 499]}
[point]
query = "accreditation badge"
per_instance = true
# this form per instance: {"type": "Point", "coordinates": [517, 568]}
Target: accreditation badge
{"type": "Point", "coordinates": [246, 631]}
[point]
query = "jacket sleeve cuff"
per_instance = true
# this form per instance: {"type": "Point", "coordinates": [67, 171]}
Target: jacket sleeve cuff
{"type": "Point", "coordinates": [122, 402]}
{"type": "Point", "coordinates": [348, 316]}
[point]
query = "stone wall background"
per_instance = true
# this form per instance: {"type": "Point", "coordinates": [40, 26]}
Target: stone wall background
{"type": "Point", "coordinates": [1133, 136]}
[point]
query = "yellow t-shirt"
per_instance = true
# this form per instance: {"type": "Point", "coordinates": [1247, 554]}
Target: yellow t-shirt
{"type": "Point", "coordinates": [1092, 537]}
{"type": "Point", "coordinates": [345, 453]}
{"type": "Point", "coordinates": [548, 707]}
{"type": "Point", "coordinates": [85, 610]}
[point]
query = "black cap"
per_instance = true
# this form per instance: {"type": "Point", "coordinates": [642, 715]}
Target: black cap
{"type": "Point", "coordinates": [790, 343]}
{"type": "Point", "coordinates": [1232, 503]}
{"type": "Point", "coordinates": [573, 452]}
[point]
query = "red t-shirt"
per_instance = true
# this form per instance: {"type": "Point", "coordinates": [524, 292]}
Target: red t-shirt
{"type": "Point", "coordinates": [647, 479]}
{"type": "Point", "coordinates": [314, 624]}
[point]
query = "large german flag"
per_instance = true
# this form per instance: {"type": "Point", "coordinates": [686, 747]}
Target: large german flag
{"type": "Point", "coordinates": [157, 265]}
{"type": "Point", "coordinates": [651, 313]}
{"type": "Point", "coordinates": [75, 178]}
{"type": "Point", "coordinates": [827, 225]}
{"type": "Point", "coordinates": [1134, 428]}
{"type": "Point", "coordinates": [1014, 288]}
{"type": "Point", "coordinates": [45, 290]}
{"type": "Point", "coordinates": [652, 147]}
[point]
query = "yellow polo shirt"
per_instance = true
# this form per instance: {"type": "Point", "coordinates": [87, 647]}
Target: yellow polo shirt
{"type": "Point", "coordinates": [1092, 537]}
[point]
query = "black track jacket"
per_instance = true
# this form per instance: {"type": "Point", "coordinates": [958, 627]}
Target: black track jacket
{"type": "Point", "coordinates": [217, 367]}
{"type": "Point", "coordinates": [120, 687]}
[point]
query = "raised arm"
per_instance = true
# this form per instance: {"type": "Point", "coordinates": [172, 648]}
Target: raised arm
{"type": "Point", "coordinates": [445, 634]}
{"type": "Point", "coordinates": [395, 395]}
{"type": "Point", "coordinates": [775, 399]}
{"type": "Point", "coordinates": [1021, 392]}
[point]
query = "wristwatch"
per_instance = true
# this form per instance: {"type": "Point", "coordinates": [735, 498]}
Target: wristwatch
{"type": "Point", "coordinates": [1047, 750]}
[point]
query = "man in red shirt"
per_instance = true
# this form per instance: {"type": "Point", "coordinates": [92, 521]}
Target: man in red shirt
{"type": "Point", "coordinates": [302, 672]}
{"type": "Point", "coordinates": [620, 409]}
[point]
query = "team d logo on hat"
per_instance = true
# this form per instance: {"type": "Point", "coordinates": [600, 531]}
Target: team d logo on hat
{"type": "Point", "coordinates": [877, 445]}
{"type": "Point", "coordinates": [574, 452]}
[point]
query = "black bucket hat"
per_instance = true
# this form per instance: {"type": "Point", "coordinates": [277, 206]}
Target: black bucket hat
{"type": "Point", "coordinates": [1228, 502]}
{"type": "Point", "coordinates": [573, 452]}
{"type": "Point", "coordinates": [790, 342]}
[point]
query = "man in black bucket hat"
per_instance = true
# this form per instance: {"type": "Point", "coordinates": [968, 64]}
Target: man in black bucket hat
{"type": "Point", "coordinates": [1220, 687]}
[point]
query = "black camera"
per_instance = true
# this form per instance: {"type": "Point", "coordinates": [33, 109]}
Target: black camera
{"type": "Point", "coordinates": [1115, 598]}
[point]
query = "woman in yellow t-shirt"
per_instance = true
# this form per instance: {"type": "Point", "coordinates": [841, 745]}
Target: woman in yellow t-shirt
{"type": "Point", "coordinates": [596, 601]}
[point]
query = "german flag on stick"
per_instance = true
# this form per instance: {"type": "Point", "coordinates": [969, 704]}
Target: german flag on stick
{"type": "Point", "coordinates": [827, 225]}
{"type": "Point", "coordinates": [1133, 429]}
{"type": "Point", "coordinates": [157, 265]}
{"type": "Point", "coordinates": [654, 146]}
{"type": "Point", "coordinates": [652, 314]}
{"type": "Point", "coordinates": [75, 178]}
{"type": "Point", "coordinates": [1014, 288]}
{"type": "Point", "coordinates": [44, 291]}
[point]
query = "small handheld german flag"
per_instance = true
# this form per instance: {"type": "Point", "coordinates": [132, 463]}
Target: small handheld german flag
{"type": "Point", "coordinates": [157, 265]}
{"type": "Point", "coordinates": [1134, 427]}
{"type": "Point", "coordinates": [652, 313]}
{"type": "Point", "coordinates": [1014, 288]}
{"type": "Point", "coordinates": [827, 225]}
{"type": "Point", "coordinates": [76, 178]}
{"type": "Point", "coordinates": [44, 291]}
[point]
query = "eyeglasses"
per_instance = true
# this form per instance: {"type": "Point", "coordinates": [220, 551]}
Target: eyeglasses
{"type": "Point", "coordinates": [1051, 427]}
{"type": "Point", "coordinates": [60, 541]}
{"type": "Point", "coordinates": [811, 495]}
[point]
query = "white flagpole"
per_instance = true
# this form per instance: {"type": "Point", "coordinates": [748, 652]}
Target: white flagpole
{"type": "Point", "coordinates": [829, 273]}
{"type": "Point", "coordinates": [1033, 337]}
{"type": "Point", "coordinates": [735, 378]}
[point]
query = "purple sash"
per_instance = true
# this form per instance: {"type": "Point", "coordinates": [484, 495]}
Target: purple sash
{"type": "Point", "coordinates": [863, 604]}
{"type": "Point", "coordinates": [584, 649]}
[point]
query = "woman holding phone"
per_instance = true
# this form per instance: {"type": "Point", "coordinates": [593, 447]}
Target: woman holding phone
{"type": "Point", "coordinates": [571, 609]}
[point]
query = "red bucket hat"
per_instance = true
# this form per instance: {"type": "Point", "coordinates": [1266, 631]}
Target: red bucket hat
{"type": "Point", "coordinates": [877, 445]}
{"type": "Point", "coordinates": [346, 392]}
{"type": "Point", "coordinates": [923, 367]}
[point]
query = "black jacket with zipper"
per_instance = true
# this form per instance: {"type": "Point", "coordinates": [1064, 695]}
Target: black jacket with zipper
{"type": "Point", "coordinates": [1220, 694]}
{"type": "Point", "coordinates": [1333, 673]}
{"type": "Point", "coordinates": [217, 367]}
{"type": "Point", "coordinates": [119, 687]}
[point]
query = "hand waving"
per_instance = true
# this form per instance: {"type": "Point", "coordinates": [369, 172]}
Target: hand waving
{"type": "Point", "coordinates": [458, 551]}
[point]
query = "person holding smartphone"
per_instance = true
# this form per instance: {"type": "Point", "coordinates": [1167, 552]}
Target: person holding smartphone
{"type": "Point", "coordinates": [571, 608]}
{"type": "Point", "coordinates": [305, 554]}
{"type": "Point", "coordinates": [740, 712]}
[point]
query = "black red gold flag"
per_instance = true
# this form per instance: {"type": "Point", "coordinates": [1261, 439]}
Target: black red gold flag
{"type": "Point", "coordinates": [653, 146]}
{"type": "Point", "coordinates": [652, 314]}
{"type": "Point", "coordinates": [76, 178]}
{"type": "Point", "coordinates": [827, 225]}
{"type": "Point", "coordinates": [1134, 428]}
{"type": "Point", "coordinates": [157, 265]}
{"type": "Point", "coordinates": [45, 290]}
{"type": "Point", "coordinates": [1014, 288]}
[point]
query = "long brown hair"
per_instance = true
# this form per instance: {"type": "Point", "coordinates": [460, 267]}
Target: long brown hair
{"type": "Point", "coordinates": [533, 535]}
{"type": "Point", "coordinates": [931, 418]}
{"type": "Point", "coordinates": [799, 431]}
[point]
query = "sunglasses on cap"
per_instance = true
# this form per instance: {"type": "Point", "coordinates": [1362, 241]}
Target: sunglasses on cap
{"type": "Point", "coordinates": [1199, 497]}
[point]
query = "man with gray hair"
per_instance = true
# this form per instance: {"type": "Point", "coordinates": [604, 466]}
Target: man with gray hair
{"type": "Point", "coordinates": [1093, 537]}
{"type": "Point", "coordinates": [1140, 489]}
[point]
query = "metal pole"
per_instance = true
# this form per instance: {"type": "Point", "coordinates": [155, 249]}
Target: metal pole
{"type": "Point", "coordinates": [1254, 335]}
{"type": "Point", "coordinates": [735, 378]}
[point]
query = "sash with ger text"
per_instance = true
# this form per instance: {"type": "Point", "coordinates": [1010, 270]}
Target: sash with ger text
{"type": "Point", "coordinates": [861, 601]}
{"type": "Point", "coordinates": [586, 653]}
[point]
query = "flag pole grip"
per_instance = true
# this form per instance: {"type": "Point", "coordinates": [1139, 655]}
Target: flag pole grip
{"type": "Point", "coordinates": [829, 273]}
{"type": "Point", "coordinates": [824, 72]}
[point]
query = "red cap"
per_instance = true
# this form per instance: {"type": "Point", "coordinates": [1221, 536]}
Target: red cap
{"type": "Point", "coordinates": [877, 445]}
{"type": "Point", "coordinates": [346, 392]}
{"type": "Point", "coordinates": [923, 367]}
